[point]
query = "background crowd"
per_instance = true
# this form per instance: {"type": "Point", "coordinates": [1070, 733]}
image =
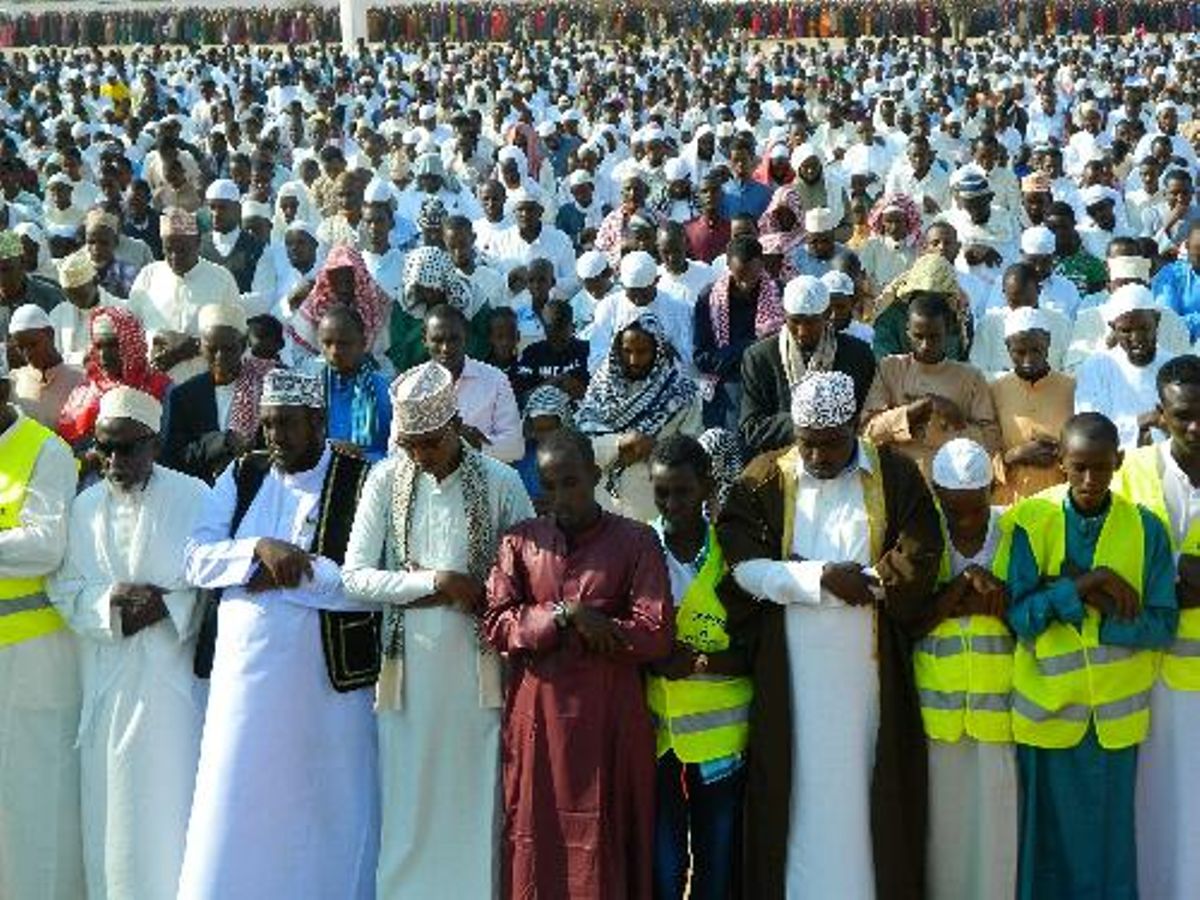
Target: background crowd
{"type": "Point", "coordinates": [173, 24]}
{"type": "Point", "coordinates": [594, 469]}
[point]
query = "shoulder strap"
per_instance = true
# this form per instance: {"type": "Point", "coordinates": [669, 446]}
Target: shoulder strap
{"type": "Point", "coordinates": [249, 472]}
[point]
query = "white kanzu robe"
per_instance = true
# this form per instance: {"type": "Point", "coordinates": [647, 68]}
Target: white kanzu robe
{"type": "Point", "coordinates": [440, 754]}
{"type": "Point", "coordinates": [1168, 780]}
{"type": "Point", "coordinates": [835, 690]}
{"type": "Point", "coordinates": [287, 796]}
{"type": "Point", "coordinates": [41, 853]}
{"type": "Point", "coordinates": [139, 733]}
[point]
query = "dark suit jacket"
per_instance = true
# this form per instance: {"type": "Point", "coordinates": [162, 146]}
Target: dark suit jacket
{"type": "Point", "coordinates": [766, 419]}
{"type": "Point", "coordinates": [193, 440]}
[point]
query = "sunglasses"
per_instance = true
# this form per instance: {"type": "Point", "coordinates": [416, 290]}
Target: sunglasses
{"type": "Point", "coordinates": [126, 448]}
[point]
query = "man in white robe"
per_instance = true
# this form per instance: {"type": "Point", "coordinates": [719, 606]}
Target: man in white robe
{"type": "Point", "coordinates": [434, 513]}
{"type": "Point", "coordinates": [122, 590]}
{"type": "Point", "coordinates": [41, 854]}
{"type": "Point", "coordinates": [287, 797]}
{"type": "Point", "coordinates": [1120, 382]}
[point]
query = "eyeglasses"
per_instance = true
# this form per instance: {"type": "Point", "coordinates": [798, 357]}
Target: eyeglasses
{"type": "Point", "coordinates": [125, 448]}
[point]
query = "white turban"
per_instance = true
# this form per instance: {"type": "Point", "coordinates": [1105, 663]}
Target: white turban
{"type": "Point", "coordinates": [1025, 318]}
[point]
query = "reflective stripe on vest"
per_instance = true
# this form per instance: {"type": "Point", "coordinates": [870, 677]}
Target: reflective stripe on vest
{"type": "Point", "coordinates": [963, 670]}
{"type": "Point", "coordinates": [25, 613]}
{"type": "Point", "coordinates": [706, 716]}
{"type": "Point", "coordinates": [1066, 677]}
{"type": "Point", "coordinates": [1140, 480]}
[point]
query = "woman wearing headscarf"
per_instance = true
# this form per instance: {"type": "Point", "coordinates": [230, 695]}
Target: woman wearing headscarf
{"type": "Point", "coordinates": [930, 274]}
{"type": "Point", "coordinates": [118, 355]}
{"type": "Point", "coordinates": [638, 396]}
{"type": "Point", "coordinates": [343, 279]}
{"type": "Point", "coordinates": [894, 227]}
{"type": "Point", "coordinates": [293, 202]}
{"type": "Point", "coordinates": [430, 279]}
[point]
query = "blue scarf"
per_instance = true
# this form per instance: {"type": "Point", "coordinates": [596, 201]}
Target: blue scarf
{"type": "Point", "coordinates": [363, 414]}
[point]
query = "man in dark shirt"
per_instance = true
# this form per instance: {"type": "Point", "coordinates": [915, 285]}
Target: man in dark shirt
{"type": "Point", "coordinates": [561, 359]}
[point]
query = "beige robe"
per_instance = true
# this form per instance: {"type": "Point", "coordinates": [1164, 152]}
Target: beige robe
{"type": "Point", "coordinates": [900, 381]}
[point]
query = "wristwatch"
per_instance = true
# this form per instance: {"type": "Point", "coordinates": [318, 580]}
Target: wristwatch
{"type": "Point", "coordinates": [562, 618]}
{"type": "Point", "coordinates": [700, 663]}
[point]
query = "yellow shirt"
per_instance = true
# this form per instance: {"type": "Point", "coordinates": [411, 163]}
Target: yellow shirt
{"type": "Point", "coordinates": [1026, 412]}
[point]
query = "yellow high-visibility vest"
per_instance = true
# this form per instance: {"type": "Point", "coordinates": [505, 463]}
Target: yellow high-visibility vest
{"type": "Point", "coordinates": [1066, 678]}
{"type": "Point", "coordinates": [705, 716]}
{"type": "Point", "coordinates": [1140, 479]}
{"type": "Point", "coordinates": [25, 612]}
{"type": "Point", "coordinates": [964, 673]}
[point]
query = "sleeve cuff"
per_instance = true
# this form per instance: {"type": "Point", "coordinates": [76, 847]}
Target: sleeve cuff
{"type": "Point", "coordinates": [1066, 602]}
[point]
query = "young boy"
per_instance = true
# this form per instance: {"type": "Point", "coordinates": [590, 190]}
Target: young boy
{"type": "Point", "coordinates": [561, 359]}
{"type": "Point", "coordinates": [1091, 581]}
{"type": "Point", "coordinates": [704, 679]}
{"type": "Point", "coordinates": [531, 300]}
{"type": "Point", "coordinates": [596, 275]}
{"type": "Point", "coordinates": [963, 669]}
{"type": "Point", "coordinates": [502, 343]}
{"type": "Point", "coordinates": [358, 410]}
{"type": "Point", "coordinates": [265, 337]}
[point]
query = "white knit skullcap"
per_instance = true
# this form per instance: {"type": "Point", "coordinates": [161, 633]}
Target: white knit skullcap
{"type": "Point", "coordinates": [961, 465]}
{"type": "Point", "coordinates": [838, 282]}
{"type": "Point", "coordinates": [1025, 318]}
{"type": "Point", "coordinates": [591, 264]}
{"type": "Point", "coordinates": [819, 220]}
{"type": "Point", "coordinates": [125, 402]}
{"type": "Point", "coordinates": [29, 317]}
{"type": "Point", "coordinates": [638, 270]}
{"type": "Point", "coordinates": [1038, 241]}
{"type": "Point", "coordinates": [227, 315]}
{"type": "Point", "coordinates": [805, 295]}
{"type": "Point", "coordinates": [223, 189]}
{"type": "Point", "coordinates": [1129, 298]}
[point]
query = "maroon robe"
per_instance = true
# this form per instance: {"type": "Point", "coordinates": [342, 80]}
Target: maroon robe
{"type": "Point", "coordinates": [577, 744]}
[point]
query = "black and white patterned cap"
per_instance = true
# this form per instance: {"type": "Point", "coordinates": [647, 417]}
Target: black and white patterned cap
{"type": "Point", "coordinates": [823, 400]}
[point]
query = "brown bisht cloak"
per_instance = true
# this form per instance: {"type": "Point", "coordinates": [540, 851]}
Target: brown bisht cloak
{"type": "Point", "coordinates": [752, 526]}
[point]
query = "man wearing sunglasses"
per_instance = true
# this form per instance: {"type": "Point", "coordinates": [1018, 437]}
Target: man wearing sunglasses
{"type": "Point", "coordinates": [122, 590]}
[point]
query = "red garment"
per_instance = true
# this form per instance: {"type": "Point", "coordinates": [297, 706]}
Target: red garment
{"type": "Point", "coordinates": [78, 416]}
{"type": "Point", "coordinates": [369, 299]}
{"type": "Point", "coordinates": [578, 744]}
{"type": "Point", "coordinates": [706, 240]}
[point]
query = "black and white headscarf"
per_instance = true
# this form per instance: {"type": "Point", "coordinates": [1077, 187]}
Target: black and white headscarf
{"type": "Point", "coordinates": [615, 404]}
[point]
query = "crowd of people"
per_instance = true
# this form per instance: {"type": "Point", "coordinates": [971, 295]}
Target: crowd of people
{"type": "Point", "coordinates": [601, 471]}
{"type": "Point", "coordinates": [599, 19]}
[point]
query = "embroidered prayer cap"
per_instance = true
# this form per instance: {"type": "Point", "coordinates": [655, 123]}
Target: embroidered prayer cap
{"type": "Point", "coordinates": [1038, 241]}
{"type": "Point", "coordinates": [287, 387]}
{"type": "Point", "coordinates": [253, 209]}
{"type": "Point", "coordinates": [431, 214]}
{"type": "Point", "coordinates": [377, 192]}
{"type": "Point", "coordinates": [773, 244]}
{"type": "Point", "coordinates": [223, 189]}
{"type": "Point", "coordinates": [176, 221]}
{"type": "Point", "coordinates": [98, 218]}
{"type": "Point", "coordinates": [1129, 268]}
{"type": "Point", "coordinates": [591, 264]}
{"type": "Point", "coordinates": [580, 177]}
{"type": "Point", "coordinates": [638, 270]}
{"type": "Point", "coordinates": [29, 317]}
{"type": "Point", "coordinates": [1037, 183]}
{"type": "Point", "coordinates": [10, 245]}
{"type": "Point", "coordinates": [838, 283]}
{"type": "Point", "coordinates": [824, 400]}
{"type": "Point", "coordinates": [1129, 298]}
{"type": "Point", "coordinates": [819, 220]}
{"type": "Point", "coordinates": [223, 315]}
{"type": "Point", "coordinates": [125, 402]}
{"type": "Point", "coordinates": [428, 164]}
{"type": "Point", "coordinates": [423, 399]}
{"type": "Point", "coordinates": [805, 295]}
{"type": "Point", "coordinates": [1025, 318]}
{"type": "Point", "coordinates": [931, 274]}
{"type": "Point", "coordinates": [973, 184]}
{"type": "Point", "coordinates": [76, 269]}
{"type": "Point", "coordinates": [961, 465]}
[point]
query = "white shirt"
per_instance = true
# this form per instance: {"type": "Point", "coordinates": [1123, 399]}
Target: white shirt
{"type": "Point", "coordinates": [1181, 496]}
{"type": "Point", "coordinates": [224, 395]}
{"type": "Point", "coordinates": [689, 283]}
{"type": "Point", "coordinates": [1109, 383]}
{"type": "Point", "coordinates": [224, 241]}
{"type": "Point", "coordinates": [165, 302]}
{"type": "Point", "coordinates": [616, 311]}
{"type": "Point", "coordinates": [511, 250]}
